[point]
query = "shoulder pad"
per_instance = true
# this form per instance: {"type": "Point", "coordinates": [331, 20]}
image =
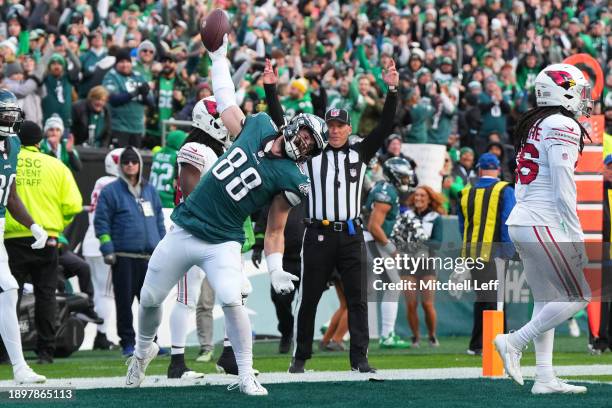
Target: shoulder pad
{"type": "Point", "coordinates": [559, 129]}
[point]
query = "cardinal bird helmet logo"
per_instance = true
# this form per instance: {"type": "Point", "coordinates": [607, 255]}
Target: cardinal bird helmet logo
{"type": "Point", "coordinates": [561, 78]}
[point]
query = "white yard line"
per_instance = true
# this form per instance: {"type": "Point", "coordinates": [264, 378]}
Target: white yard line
{"type": "Point", "coordinates": [319, 376]}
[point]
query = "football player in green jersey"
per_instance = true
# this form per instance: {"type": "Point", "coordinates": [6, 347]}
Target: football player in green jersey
{"type": "Point", "coordinates": [383, 206]}
{"type": "Point", "coordinates": [263, 166]}
{"type": "Point", "coordinates": [11, 117]}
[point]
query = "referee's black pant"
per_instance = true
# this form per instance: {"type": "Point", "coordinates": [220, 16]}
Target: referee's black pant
{"type": "Point", "coordinates": [323, 251]}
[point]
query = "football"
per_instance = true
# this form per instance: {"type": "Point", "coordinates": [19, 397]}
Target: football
{"type": "Point", "coordinates": [213, 28]}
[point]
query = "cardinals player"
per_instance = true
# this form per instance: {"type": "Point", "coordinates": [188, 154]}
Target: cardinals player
{"type": "Point", "coordinates": [543, 225]}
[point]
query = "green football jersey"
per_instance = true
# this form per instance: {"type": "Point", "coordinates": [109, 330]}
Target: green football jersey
{"type": "Point", "coordinates": [241, 182]}
{"type": "Point", "coordinates": [8, 168]}
{"type": "Point", "coordinates": [386, 193]}
{"type": "Point", "coordinates": [163, 175]}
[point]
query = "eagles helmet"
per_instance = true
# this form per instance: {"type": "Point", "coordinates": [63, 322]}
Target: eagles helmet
{"type": "Point", "coordinates": [206, 117]}
{"type": "Point", "coordinates": [564, 85]}
{"type": "Point", "coordinates": [11, 115]}
{"type": "Point", "coordinates": [399, 172]}
{"type": "Point", "coordinates": [293, 147]}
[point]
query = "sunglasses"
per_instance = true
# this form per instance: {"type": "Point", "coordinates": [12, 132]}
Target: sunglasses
{"type": "Point", "coordinates": [126, 162]}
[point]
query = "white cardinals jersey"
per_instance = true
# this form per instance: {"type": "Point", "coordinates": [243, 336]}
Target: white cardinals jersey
{"type": "Point", "coordinates": [91, 244]}
{"type": "Point", "coordinates": [545, 188]}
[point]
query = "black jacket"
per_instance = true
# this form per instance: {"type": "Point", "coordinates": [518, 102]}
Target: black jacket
{"type": "Point", "coordinates": [80, 123]}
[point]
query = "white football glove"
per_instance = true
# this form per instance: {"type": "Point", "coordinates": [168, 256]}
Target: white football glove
{"type": "Point", "coordinates": [282, 281]}
{"type": "Point", "coordinates": [221, 52]}
{"type": "Point", "coordinates": [40, 236]}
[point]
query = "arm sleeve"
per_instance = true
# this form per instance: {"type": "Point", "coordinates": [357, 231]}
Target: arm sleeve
{"type": "Point", "coordinates": [460, 216]}
{"type": "Point", "coordinates": [159, 213]}
{"type": "Point", "coordinates": [23, 89]}
{"type": "Point", "coordinates": [72, 202]}
{"type": "Point", "coordinates": [507, 250]}
{"type": "Point", "coordinates": [562, 159]}
{"type": "Point", "coordinates": [275, 109]}
{"type": "Point", "coordinates": [103, 220]}
{"type": "Point", "coordinates": [376, 138]}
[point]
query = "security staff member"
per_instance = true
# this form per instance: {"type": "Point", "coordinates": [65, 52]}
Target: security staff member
{"type": "Point", "coordinates": [483, 211]}
{"type": "Point", "coordinates": [50, 194]}
{"type": "Point", "coordinates": [333, 238]}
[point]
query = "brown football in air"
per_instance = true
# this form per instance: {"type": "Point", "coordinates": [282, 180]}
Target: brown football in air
{"type": "Point", "coordinates": [213, 28]}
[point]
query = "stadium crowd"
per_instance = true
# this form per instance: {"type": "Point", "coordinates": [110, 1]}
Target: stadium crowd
{"type": "Point", "coordinates": [107, 74]}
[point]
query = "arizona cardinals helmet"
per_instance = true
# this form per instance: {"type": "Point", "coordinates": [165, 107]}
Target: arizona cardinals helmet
{"type": "Point", "coordinates": [564, 85]}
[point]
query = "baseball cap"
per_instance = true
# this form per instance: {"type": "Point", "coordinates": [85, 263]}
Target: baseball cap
{"type": "Point", "coordinates": [608, 159]}
{"type": "Point", "coordinates": [488, 161]}
{"type": "Point", "coordinates": [340, 115]}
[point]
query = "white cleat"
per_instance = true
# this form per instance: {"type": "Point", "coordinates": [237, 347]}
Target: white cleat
{"type": "Point", "coordinates": [191, 375]}
{"type": "Point", "coordinates": [510, 356]}
{"type": "Point", "coordinates": [137, 367]}
{"type": "Point", "coordinates": [25, 375]}
{"type": "Point", "coordinates": [556, 386]}
{"type": "Point", "coordinates": [249, 385]}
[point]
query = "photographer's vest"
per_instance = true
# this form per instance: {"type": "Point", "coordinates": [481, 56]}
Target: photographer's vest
{"type": "Point", "coordinates": [481, 211]}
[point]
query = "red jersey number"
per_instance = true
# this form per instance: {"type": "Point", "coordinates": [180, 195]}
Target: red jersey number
{"type": "Point", "coordinates": [526, 169]}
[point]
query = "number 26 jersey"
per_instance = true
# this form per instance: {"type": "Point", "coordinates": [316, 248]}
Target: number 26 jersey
{"type": "Point", "coordinates": [242, 181]}
{"type": "Point", "coordinates": [545, 188]}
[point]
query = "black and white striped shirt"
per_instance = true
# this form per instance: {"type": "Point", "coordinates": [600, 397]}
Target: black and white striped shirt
{"type": "Point", "coordinates": [336, 175]}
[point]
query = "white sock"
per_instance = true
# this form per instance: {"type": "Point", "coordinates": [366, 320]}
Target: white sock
{"type": "Point", "coordinates": [549, 315]}
{"type": "Point", "coordinates": [389, 315]}
{"type": "Point", "coordinates": [9, 328]}
{"type": "Point", "coordinates": [544, 355]}
{"type": "Point", "coordinates": [179, 318]}
{"type": "Point", "coordinates": [104, 307]}
{"type": "Point", "coordinates": [149, 319]}
{"type": "Point", "coordinates": [238, 328]}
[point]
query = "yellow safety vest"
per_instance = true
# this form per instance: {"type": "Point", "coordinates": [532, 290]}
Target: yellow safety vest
{"type": "Point", "coordinates": [480, 208]}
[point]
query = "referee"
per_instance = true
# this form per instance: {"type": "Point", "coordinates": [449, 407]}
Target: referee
{"type": "Point", "coordinates": [333, 238]}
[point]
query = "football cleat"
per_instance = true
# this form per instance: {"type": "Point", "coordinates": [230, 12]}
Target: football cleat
{"type": "Point", "coordinates": [364, 367]}
{"type": "Point", "coordinates": [249, 385]}
{"type": "Point", "coordinates": [137, 367]}
{"type": "Point", "coordinates": [392, 341]}
{"type": "Point", "coordinates": [183, 372]}
{"type": "Point", "coordinates": [511, 357]}
{"type": "Point", "coordinates": [556, 386]}
{"type": "Point", "coordinates": [204, 356]}
{"type": "Point", "coordinates": [25, 375]}
{"type": "Point", "coordinates": [297, 366]}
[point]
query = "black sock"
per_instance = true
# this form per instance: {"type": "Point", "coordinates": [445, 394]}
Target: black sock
{"type": "Point", "coordinates": [177, 359]}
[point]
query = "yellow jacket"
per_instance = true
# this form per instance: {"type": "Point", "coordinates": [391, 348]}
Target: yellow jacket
{"type": "Point", "coordinates": [49, 192]}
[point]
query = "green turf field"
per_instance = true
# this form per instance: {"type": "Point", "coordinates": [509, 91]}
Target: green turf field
{"type": "Point", "coordinates": [447, 393]}
{"type": "Point", "coordinates": [451, 353]}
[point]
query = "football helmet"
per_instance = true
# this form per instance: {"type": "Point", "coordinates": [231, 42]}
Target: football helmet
{"type": "Point", "coordinates": [206, 117]}
{"type": "Point", "coordinates": [11, 115]}
{"type": "Point", "coordinates": [399, 172]}
{"type": "Point", "coordinates": [294, 148]}
{"type": "Point", "coordinates": [111, 162]}
{"type": "Point", "coordinates": [564, 85]}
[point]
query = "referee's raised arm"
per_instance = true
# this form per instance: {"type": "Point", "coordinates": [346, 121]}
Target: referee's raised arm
{"type": "Point", "coordinates": [375, 139]}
